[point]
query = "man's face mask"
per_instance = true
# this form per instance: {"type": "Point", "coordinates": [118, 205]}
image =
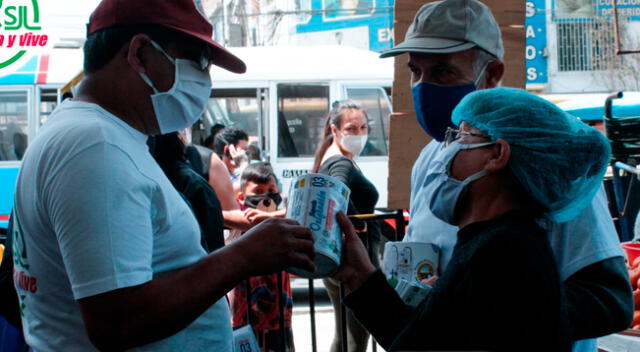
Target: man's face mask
{"type": "Point", "coordinates": [434, 104]}
{"type": "Point", "coordinates": [183, 104]}
{"type": "Point", "coordinates": [269, 201]}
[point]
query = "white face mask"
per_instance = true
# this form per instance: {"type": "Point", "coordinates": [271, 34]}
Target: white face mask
{"type": "Point", "coordinates": [353, 144]}
{"type": "Point", "coordinates": [183, 104]}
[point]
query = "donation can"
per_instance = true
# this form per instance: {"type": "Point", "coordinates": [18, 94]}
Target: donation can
{"type": "Point", "coordinates": [314, 201]}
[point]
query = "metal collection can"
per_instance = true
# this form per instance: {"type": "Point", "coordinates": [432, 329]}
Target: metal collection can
{"type": "Point", "coordinates": [314, 201]}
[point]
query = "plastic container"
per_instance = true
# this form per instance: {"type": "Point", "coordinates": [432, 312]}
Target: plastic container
{"type": "Point", "coordinates": [410, 261]}
{"type": "Point", "coordinates": [632, 249]}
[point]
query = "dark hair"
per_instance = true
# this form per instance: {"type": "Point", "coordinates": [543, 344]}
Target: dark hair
{"type": "Point", "coordinates": [167, 149]}
{"type": "Point", "coordinates": [102, 46]}
{"type": "Point", "coordinates": [334, 117]}
{"type": "Point", "coordinates": [259, 173]}
{"type": "Point", "coordinates": [215, 129]}
{"type": "Point", "coordinates": [230, 135]}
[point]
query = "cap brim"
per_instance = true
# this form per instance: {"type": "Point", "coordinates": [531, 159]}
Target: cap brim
{"type": "Point", "coordinates": [222, 57]}
{"type": "Point", "coordinates": [427, 45]}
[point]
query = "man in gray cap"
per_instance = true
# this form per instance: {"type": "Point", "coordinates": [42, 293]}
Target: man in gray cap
{"type": "Point", "coordinates": [455, 47]}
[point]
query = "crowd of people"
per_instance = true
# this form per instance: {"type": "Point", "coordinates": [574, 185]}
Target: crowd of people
{"type": "Point", "coordinates": [127, 235]}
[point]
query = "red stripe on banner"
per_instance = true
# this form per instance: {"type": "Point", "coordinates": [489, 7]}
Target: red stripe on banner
{"type": "Point", "coordinates": [4, 217]}
{"type": "Point", "coordinates": [43, 69]}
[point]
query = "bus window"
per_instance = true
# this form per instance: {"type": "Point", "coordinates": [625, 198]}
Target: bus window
{"type": "Point", "coordinates": [48, 102]}
{"type": "Point", "coordinates": [13, 124]}
{"type": "Point", "coordinates": [376, 104]}
{"type": "Point", "coordinates": [302, 110]}
{"type": "Point", "coordinates": [238, 108]}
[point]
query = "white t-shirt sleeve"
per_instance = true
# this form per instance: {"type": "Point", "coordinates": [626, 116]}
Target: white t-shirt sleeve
{"type": "Point", "coordinates": [100, 205]}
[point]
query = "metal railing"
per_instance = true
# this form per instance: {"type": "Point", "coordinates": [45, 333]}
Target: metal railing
{"type": "Point", "coordinates": [398, 216]}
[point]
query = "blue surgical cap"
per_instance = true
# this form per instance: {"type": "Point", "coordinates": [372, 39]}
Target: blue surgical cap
{"type": "Point", "coordinates": [559, 160]}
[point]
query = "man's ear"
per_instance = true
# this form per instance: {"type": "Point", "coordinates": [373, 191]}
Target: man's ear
{"type": "Point", "coordinates": [134, 52]}
{"type": "Point", "coordinates": [240, 197]}
{"type": "Point", "coordinates": [493, 74]}
{"type": "Point", "coordinates": [225, 151]}
{"type": "Point", "coordinates": [500, 158]}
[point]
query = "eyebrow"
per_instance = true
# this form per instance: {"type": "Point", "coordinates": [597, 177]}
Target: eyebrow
{"type": "Point", "coordinates": [444, 65]}
{"type": "Point", "coordinates": [350, 124]}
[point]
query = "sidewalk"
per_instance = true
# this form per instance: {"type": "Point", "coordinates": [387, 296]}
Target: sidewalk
{"type": "Point", "coordinates": [324, 321]}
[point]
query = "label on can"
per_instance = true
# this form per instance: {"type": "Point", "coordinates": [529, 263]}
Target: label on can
{"type": "Point", "coordinates": [314, 201]}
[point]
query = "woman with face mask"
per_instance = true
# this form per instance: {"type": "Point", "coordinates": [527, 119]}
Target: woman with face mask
{"type": "Point", "coordinates": [345, 135]}
{"type": "Point", "coordinates": [513, 162]}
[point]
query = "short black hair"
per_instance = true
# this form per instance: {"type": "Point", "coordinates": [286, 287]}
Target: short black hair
{"type": "Point", "coordinates": [102, 46]}
{"type": "Point", "coordinates": [217, 128]}
{"type": "Point", "coordinates": [259, 173]}
{"type": "Point", "coordinates": [230, 135]}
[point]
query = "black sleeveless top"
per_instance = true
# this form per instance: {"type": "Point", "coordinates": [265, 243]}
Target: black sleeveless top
{"type": "Point", "coordinates": [364, 195]}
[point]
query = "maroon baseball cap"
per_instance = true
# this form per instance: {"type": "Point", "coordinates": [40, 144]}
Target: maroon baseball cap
{"type": "Point", "coordinates": [180, 15]}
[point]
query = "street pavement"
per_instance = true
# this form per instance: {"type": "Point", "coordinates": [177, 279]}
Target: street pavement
{"type": "Point", "coordinates": [302, 319]}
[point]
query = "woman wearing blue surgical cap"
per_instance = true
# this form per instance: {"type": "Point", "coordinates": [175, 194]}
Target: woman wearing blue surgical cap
{"type": "Point", "coordinates": [514, 159]}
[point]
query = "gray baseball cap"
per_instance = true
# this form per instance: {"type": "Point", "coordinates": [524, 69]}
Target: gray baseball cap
{"type": "Point", "coordinates": [451, 26]}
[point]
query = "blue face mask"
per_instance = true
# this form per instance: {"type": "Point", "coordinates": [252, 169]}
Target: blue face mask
{"type": "Point", "coordinates": [444, 190]}
{"type": "Point", "coordinates": [434, 104]}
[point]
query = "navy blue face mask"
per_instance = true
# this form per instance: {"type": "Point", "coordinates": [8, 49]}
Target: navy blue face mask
{"type": "Point", "coordinates": [434, 104]}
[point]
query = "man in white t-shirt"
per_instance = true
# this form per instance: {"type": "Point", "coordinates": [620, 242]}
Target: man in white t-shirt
{"type": "Point", "coordinates": [107, 254]}
{"type": "Point", "coordinates": [455, 47]}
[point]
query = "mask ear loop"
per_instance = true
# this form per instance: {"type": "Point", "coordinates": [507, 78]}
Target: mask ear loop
{"type": "Point", "coordinates": [147, 80]}
{"type": "Point", "coordinates": [145, 77]}
{"type": "Point", "coordinates": [482, 72]}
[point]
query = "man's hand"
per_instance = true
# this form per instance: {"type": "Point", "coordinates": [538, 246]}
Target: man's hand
{"type": "Point", "coordinates": [256, 216]}
{"type": "Point", "coordinates": [356, 267]}
{"type": "Point", "coordinates": [276, 244]}
{"type": "Point", "coordinates": [430, 281]}
{"type": "Point", "coordinates": [239, 157]}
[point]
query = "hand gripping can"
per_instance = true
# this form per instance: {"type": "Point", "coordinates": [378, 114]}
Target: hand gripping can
{"type": "Point", "coordinates": [314, 201]}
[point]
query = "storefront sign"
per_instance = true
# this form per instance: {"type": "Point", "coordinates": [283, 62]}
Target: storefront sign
{"type": "Point", "coordinates": [536, 42]}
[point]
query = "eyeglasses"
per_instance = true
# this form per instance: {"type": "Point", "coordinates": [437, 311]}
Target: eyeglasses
{"type": "Point", "coordinates": [453, 134]}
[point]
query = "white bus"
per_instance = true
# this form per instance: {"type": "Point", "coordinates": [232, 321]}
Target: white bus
{"type": "Point", "coordinates": [284, 97]}
{"type": "Point", "coordinates": [281, 102]}
{"type": "Point", "coordinates": [27, 96]}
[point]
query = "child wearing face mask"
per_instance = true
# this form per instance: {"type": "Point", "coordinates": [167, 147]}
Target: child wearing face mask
{"type": "Point", "coordinates": [344, 138]}
{"type": "Point", "coordinates": [260, 197]}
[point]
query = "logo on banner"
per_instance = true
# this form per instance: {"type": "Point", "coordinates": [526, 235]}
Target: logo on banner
{"type": "Point", "coordinates": [20, 31]}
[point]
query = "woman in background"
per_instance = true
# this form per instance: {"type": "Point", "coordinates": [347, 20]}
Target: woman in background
{"type": "Point", "coordinates": [345, 135]}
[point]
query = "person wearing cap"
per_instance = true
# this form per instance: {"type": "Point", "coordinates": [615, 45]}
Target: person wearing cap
{"type": "Point", "coordinates": [501, 290]}
{"type": "Point", "coordinates": [107, 253]}
{"type": "Point", "coordinates": [455, 47]}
